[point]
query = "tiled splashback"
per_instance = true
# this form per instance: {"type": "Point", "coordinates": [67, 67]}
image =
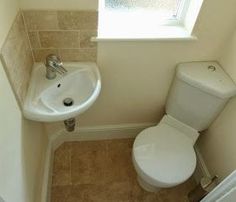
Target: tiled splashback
{"type": "Point", "coordinates": [66, 33]}
{"type": "Point", "coordinates": [17, 58]}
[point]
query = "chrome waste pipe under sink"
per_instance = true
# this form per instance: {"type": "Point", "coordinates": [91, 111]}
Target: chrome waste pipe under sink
{"type": "Point", "coordinates": [70, 124]}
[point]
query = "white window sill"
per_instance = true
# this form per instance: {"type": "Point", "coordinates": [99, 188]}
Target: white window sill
{"type": "Point", "coordinates": [163, 33]}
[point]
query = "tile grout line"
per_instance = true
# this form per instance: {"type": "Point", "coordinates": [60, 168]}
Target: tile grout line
{"type": "Point", "coordinates": [39, 40]}
{"type": "Point", "coordinates": [79, 38]}
{"type": "Point", "coordinates": [54, 48]}
{"type": "Point", "coordinates": [89, 28]}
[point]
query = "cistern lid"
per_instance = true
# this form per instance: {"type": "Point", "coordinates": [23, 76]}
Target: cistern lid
{"type": "Point", "coordinates": [207, 76]}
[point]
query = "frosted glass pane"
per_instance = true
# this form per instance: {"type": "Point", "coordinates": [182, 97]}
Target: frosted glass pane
{"type": "Point", "coordinates": [158, 5]}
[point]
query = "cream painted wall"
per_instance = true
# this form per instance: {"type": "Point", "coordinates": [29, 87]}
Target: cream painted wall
{"type": "Point", "coordinates": [218, 144]}
{"type": "Point", "coordinates": [136, 75]}
{"type": "Point", "coordinates": [34, 142]}
{"type": "Point", "coordinates": [22, 143]}
{"type": "Point", "coordinates": [8, 10]}
{"type": "Point", "coordinates": [10, 143]}
{"type": "Point", "coordinates": [59, 4]}
{"type": "Point", "coordinates": [228, 59]}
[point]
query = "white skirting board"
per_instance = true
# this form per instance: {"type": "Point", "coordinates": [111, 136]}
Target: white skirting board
{"type": "Point", "coordinates": [47, 177]}
{"type": "Point", "coordinates": [201, 169]}
{"type": "Point", "coordinates": [100, 133]}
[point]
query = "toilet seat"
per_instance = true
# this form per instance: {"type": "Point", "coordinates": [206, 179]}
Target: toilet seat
{"type": "Point", "coordinates": [164, 156]}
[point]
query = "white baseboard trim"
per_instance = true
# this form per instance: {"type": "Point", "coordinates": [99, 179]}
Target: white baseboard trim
{"type": "Point", "coordinates": [201, 169]}
{"type": "Point", "coordinates": [99, 133]}
{"type": "Point", "coordinates": [45, 195]}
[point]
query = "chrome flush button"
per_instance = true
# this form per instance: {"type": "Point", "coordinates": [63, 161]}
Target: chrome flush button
{"type": "Point", "coordinates": [212, 68]}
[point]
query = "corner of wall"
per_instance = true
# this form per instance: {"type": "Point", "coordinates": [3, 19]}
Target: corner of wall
{"type": "Point", "coordinates": [16, 56]}
{"type": "Point", "coordinates": [201, 168]}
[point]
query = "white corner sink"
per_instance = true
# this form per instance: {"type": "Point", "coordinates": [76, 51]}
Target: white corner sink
{"type": "Point", "coordinates": [45, 99]}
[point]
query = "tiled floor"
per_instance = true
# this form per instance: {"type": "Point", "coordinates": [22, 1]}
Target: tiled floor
{"type": "Point", "coordinates": [102, 171]}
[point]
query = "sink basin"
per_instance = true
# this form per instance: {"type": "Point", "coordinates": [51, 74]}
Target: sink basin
{"type": "Point", "coordinates": [65, 96]}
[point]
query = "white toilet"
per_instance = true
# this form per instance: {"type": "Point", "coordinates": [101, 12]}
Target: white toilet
{"type": "Point", "coordinates": [163, 155]}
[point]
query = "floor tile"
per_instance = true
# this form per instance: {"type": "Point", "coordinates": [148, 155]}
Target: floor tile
{"type": "Point", "coordinates": [60, 193]}
{"type": "Point", "coordinates": [88, 162]}
{"type": "Point", "coordinates": [62, 165]}
{"type": "Point", "coordinates": [102, 171]}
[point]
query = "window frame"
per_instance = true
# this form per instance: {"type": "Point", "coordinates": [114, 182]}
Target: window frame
{"type": "Point", "coordinates": [170, 29]}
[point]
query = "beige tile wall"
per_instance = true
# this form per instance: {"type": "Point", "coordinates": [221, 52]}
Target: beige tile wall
{"type": "Point", "coordinates": [17, 58]}
{"type": "Point", "coordinates": [66, 33]}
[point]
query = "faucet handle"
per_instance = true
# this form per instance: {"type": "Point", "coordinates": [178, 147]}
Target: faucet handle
{"type": "Point", "coordinates": [59, 69]}
{"type": "Point", "coordinates": [53, 58]}
{"type": "Point", "coordinates": [59, 66]}
{"type": "Point", "coordinates": [54, 62]}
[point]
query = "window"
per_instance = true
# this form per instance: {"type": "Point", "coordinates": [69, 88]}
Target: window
{"type": "Point", "coordinates": [163, 9]}
{"type": "Point", "coordinates": [145, 18]}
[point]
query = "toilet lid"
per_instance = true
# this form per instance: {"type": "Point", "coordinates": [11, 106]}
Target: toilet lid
{"type": "Point", "coordinates": [164, 155]}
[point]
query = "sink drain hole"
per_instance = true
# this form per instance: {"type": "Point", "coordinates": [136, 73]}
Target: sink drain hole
{"type": "Point", "coordinates": [68, 102]}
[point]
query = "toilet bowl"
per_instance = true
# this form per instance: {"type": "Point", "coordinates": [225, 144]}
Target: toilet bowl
{"type": "Point", "coordinates": [163, 155]}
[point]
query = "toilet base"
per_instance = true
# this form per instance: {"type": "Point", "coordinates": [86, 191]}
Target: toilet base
{"type": "Point", "coordinates": [146, 186]}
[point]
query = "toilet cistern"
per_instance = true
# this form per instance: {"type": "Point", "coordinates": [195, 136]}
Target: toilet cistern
{"type": "Point", "coordinates": [163, 155]}
{"type": "Point", "coordinates": [54, 65]}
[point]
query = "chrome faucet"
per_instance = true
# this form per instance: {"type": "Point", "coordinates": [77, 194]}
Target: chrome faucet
{"type": "Point", "coordinates": [53, 65]}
